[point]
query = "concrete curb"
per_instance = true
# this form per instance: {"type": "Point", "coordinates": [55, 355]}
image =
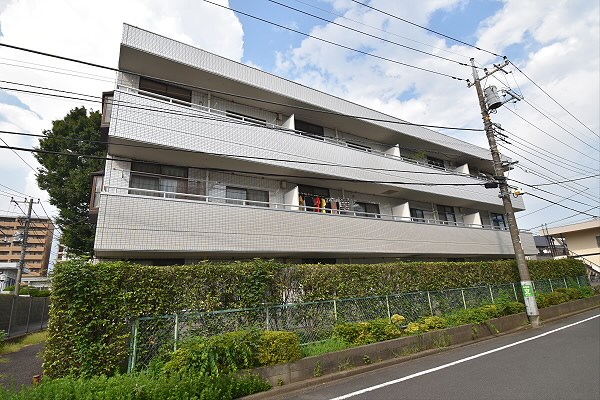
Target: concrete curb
{"type": "Point", "coordinates": [287, 378]}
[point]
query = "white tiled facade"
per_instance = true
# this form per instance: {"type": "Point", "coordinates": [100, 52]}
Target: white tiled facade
{"type": "Point", "coordinates": [196, 157]}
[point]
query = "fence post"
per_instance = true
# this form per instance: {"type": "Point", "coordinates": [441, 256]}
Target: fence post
{"type": "Point", "coordinates": [462, 292]}
{"type": "Point", "coordinates": [429, 300]}
{"type": "Point", "coordinates": [565, 281]}
{"type": "Point", "coordinates": [515, 291]}
{"type": "Point", "coordinates": [28, 315]}
{"type": "Point", "coordinates": [491, 293]}
{"type": "Point", "coordinates": [267, 316]}
{"type": "Point", "coordinates": [551, 287]}
{"type": "Point", "coordinates": [335, 316]}
{"type": "Point", "coordinates": [578, 284]}
{"type": "Point", "coordinates": [43, 310]}
{"type": "Point", "coordinates": [387, 303]}
{"type": "Point", "coordinates": [176, 333]}
{"type": "Point", "coordinates": [133, 352]}
{"type": "Point", "coordinates": [12, 307]}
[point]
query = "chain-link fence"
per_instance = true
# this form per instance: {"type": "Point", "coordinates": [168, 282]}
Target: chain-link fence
{"type": "Point", "coordinates": [314, 321]}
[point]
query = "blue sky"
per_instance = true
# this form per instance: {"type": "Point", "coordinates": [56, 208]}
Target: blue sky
{"type": "Point", "coordinates": [565, 62]}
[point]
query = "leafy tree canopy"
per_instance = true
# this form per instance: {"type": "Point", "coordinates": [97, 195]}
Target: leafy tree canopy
{"type": "Point", "coordinates": [67, 179]}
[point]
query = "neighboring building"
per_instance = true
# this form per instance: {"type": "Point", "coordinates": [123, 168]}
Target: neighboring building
{"type": "Point", "coordinates": [582, 240]}
{"type": "Point", "coordinates": [549, 247]}
{"type": "Point", "coordinates": [62, 253]}
{"type": "Point", "coordinates": [39, 243]}
{"type": "Point", "coordinates": [213, 159]}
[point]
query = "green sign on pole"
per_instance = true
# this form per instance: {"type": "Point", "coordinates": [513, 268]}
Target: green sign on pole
{"type": "Point", "coordinates": [527, 291]}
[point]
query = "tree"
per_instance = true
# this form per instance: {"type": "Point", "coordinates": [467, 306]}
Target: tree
{"type": "Point", "coordinates": [67, 179]}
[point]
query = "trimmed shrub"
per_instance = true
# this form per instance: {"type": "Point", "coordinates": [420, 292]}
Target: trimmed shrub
{"type": "Point", "coordinates": [359, 333]}
{"type": "Point", "coordinates": [279, 347]}
{"type": "Point", "coordinates": [93, 305]}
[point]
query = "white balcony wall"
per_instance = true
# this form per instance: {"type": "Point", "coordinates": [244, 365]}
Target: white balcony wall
{"type": "Point", "coordinates": [196, 130]}
{"type": "Point", "coordinates": [149, 225]}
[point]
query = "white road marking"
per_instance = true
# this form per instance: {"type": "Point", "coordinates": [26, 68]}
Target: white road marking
{"type": "Point", "coordinates": [462, 360]}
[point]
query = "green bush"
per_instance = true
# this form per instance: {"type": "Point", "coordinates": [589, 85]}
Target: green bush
{"type": "Point", "coordinates": [216, 355]}
{"type": "Point", "coordinates": [231, 352]}
{"type": "Point", "coordinates": [93, 305]}
{"type": "Point", "coordinates": [2, 337]}
{"type": "Point", "coordinates": [27, 290]}
{"type": "Point", "coordinates": [359, 333]}
{"type": "Point", "coordinates": [279, 347]}
{"type": "Point", "coordinates": [142, 386]}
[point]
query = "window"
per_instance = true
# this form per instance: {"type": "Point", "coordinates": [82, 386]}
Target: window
{"type": "Point", "coordinates": [97, 182]}
{"type": "Point", "coordinates": [446, 214]}
{"type": "Point", "coordinates": [366, 210]}
{"type": "Point", "coordinates": [309, 129]}
{"type": "Point", "coordinates": [436, 162]}
{"type": "Point", "coordinates": [157, 177]}
{"type": "Point", "coordinates": [313, 190]}
{"type": "Point", "coordinates": [164, 89]}
{"type": "Point", "coordinates": [417, 214]}
{"type": "Point", "coordinates": [249, 197]}
{"type": "Point", "coordinates": [498, 221]}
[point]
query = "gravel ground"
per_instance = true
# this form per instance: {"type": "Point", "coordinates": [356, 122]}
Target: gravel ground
{"type": "Point", "coordinates": [18, 368]}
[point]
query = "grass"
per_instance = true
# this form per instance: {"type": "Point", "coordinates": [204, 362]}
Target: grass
{"type": "Point", "coordinates": [325, 346]}
{"type": "Point", "coordinates": [28, 340]}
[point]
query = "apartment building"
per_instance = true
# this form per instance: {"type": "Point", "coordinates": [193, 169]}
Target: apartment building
{"type": "Point", "coordinates": [39, 243]}
{"type": "Point", "coordinates": [213, 159]}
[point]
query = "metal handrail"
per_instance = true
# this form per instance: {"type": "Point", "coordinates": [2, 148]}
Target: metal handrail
{"type": "Point", "coordinates": [330, 140]}
{"type": "Point", "coordinates": [178, 196]}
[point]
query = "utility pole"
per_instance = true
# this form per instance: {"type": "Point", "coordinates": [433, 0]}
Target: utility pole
{"type": "Point", "coordinates": [526, 285]}
{"type": "Point", "coordinates": [23, 248]}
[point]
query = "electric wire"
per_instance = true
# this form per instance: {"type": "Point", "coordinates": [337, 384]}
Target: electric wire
{"type": "Point", "coordinates": [336, 44]}
{"type": "Point", "coordinates": [559, 220]}
{"type": "Point", "coordinates": [18, 155]}
{"type": "Point", "coordinates": [82, 75]}
{"type": "Point", "coordinates": [563, 206]}
{"type": "Point", "coordinates": [368, 34]}
{"type": "Point", "coordinates": [134, 145]}
{"type": "Point", "coordinates": [567, 181]}
{"type": "Point", "coordinates": [534, 147]}
{"type": "Point", "coordinates": [425, 28]}
{"type": "Point", "coordinates": [553, 194]}
{"type": "Point", "coordinates": [553, 99]}
{"type": "Point", "coordinates": [557, 124]}
{"type": "Point", "coordinates": [523, 215]}
{"type": "Point", "coordinates": [553, 137]}
{"type": "Point", "coordinates": [238, 171]}
{"type": "Point", "coordinates": [379, 29]}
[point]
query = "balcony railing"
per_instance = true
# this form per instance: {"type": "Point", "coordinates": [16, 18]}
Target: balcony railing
{"type": "Point", "coordinates": [223, 115]}
{"type": "Point", "coordinates": [177, 196]}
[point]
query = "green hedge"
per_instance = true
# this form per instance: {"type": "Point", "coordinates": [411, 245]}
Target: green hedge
{"type": "Point", "coordinates": [93, 305]}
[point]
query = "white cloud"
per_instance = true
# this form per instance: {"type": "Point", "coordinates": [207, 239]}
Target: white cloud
{"type": "Point", "coordinates": [559, 42]}
{"type": "Point", "coordinates": [89, 31]}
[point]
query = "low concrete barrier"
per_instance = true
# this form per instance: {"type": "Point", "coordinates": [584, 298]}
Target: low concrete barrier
{"type": "Point", "coordinates": [406, 348]}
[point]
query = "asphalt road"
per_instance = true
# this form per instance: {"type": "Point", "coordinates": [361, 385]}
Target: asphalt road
{"type": "Point", "coordinates": [18, 368]}
{"type": "Point", "coordinates": [560, 360]}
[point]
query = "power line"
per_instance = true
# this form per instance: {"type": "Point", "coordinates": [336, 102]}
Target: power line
{"type": "Point", "coordinates": [427, 29]}
{"type": "Point", "coordinates": [553, 99]}
{"type": "Point", "coordinates": [570, 180]}
{"type": "Point", "coordinates": [368, 34]}
{"type": "Point", "coordinates": [18, 155]}
{"type": "Point", "coordinates": [560, 205]}
{"type": "Point", "coordinates": [379, 29]}
{"type": "Point", "coordinates": [551, 205]}
{"type": "Point", "coordinates": [253, 173]}
{"type": "Point", "coordinates": [398, 122]}
{"type": "Point", "coordinates": [535, 147]}
{"type": "Point", "coordinates": [558, 140]}
{"type": "Point", "coordinates": [446, 173]}
{"type": "Point", "coordinates": [336, 44]}
{"type": "Point", "coordinates": [554, 194]}
{"type": "Point", "coordinates": [557, 124]}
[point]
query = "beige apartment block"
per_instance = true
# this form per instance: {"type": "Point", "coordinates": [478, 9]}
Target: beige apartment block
{"type": "Point", "coordinates": [582, 240]}
{"type": "Point", "coordinates": [39, 243]}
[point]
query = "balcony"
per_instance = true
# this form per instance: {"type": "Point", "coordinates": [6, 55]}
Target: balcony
{"type": "Point", "coordinates": [194, 227]}
{"type": "Point", "coordinates": [166, 124]}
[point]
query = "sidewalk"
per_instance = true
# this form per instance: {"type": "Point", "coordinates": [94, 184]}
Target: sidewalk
{"type": "Point", "coordinates": [18, 368]}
